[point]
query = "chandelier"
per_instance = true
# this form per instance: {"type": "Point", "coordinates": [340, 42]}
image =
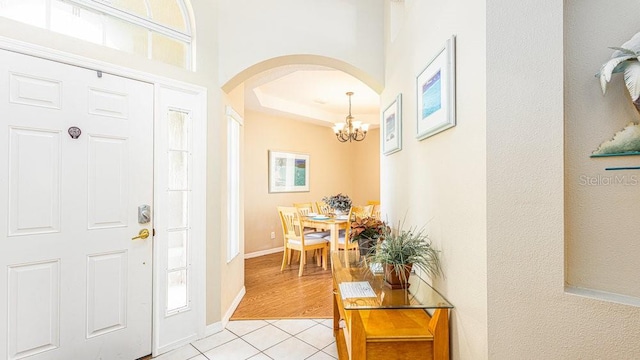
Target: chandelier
{"type": "Point", "coordinates": [350, 130]}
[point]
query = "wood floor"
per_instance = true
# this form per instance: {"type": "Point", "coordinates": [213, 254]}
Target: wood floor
{"type": "Point", "coordinates": [271, 294]}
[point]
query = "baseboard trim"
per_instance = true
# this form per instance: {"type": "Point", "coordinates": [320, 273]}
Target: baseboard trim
{"type": "Point", "coordinates": [234, 306]}
{"type": "Point", "coordinates": [264, 252]}
{"type": "Point", "coordinates": [216, 327]}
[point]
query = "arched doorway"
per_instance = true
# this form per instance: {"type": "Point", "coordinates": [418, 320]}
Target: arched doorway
{"type": "Point", "coordinates": [289, 104]}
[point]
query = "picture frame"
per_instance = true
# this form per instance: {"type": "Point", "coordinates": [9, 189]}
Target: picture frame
{"type": "Point", "coordinates": [435, 91]}
{"type": "Point", "coordinates": [288, 172]}
{"type": "Point", "coordinates": [391, 123]}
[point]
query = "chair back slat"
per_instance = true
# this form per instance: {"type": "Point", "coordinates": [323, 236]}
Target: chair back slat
{"type": "Point", "coordinates": [291, 226]}
{"type": "Point", "coordinates": [361, 211]}
{"type": "Point", "coordinates": [294, 239]}
{"type": "Point", "coordinates": [323, 208]}
{"type": "Point", "coordinates": [304, 208]}
{"type": "Point", "coordinates": [376, 212]}
{"type": "Point", "coordinates": [376, 208]}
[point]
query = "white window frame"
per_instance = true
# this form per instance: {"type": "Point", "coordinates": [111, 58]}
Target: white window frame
{"type": "Point", "coordinates": [181, 326]}
{"type": "Point", "coordinates": [234, 165]}
{"type": "Point", "coordinates": [104, 7]}
{"type": "Point", "coordinates": [140, 21]}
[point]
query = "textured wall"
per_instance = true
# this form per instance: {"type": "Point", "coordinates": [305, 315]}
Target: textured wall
{"type": "Point", "coordinates": [530, 315]}
{"type": "Point", "coordinates": [439, 182]}
{"type": "Point", "coordinates": [602, 206]}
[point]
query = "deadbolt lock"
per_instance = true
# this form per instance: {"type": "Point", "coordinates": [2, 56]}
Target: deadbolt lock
{"type": "Point", "coordinates": [144, 214]}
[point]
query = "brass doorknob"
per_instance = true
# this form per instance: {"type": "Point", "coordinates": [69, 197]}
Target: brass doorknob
{"type": "Point", "coordinates": [143, 234]}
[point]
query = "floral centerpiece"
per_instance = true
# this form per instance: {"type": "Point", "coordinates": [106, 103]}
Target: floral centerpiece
{"type": "Point", "coordinates": [339, 203]}
{"type": "Point", "coordinates": [367, 231]}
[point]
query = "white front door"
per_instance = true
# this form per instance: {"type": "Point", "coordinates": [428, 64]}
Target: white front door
{"type": "Point", "coordinates": [73, 283]}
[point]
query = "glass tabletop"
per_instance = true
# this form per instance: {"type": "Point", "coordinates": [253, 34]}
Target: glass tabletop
{"type": "Point", "coordinates": [361, 286]}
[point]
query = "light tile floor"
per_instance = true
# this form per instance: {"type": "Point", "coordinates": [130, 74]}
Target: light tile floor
{"type": "Point", "coordinates": [287, 339]}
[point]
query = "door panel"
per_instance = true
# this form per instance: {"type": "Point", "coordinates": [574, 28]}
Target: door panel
{"type": "Point", "coordinates": [106, 293]}
{"type": "Point", "coordinates": [35, 91]}
{"type": "Point", "coordinates": [34, 303]}
{"type": "Point", "coordinates": [108, 182]}
{"type": "Point", "coordinates": [34, 181]}
{"type": "Point", "coordinates": [73, 285]}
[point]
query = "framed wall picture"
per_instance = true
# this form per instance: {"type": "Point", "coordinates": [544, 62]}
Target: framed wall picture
{"type": "Point", "coordinates": [391, 123]}
{"type": "Point", "coordinates": [435, 89]}
{"type": "Point", "coordinates": [288, 172]}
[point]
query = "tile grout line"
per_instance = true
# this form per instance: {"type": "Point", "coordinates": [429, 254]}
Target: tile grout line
{"type": "Point", "coordinates": [248, 343]}
{"type": "Point", "coordinates": [297, 338]}
{"type": "Point", "coordinates": [256, 329]}
{"type": "Point", "coordinates": [313, 346]}
{"type": "Point", "coordinates": [301, 331]}
{"type": "Point", "coordinates": [289, 336]}
{"type": "Point", "coordinates": [198, 350]}
{"type": "Point", "coordinates": [219, 345]}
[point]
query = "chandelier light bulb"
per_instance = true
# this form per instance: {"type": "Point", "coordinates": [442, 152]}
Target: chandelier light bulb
{"type": "Point", "coordinates": [350, 130]}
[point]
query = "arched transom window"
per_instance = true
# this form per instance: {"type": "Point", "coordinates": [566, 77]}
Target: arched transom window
{"type": "Point", "coordinates": [157, 29]}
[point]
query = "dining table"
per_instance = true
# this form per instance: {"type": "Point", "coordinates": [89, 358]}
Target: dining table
{"type": "Point", "coordinates": [331, 223]}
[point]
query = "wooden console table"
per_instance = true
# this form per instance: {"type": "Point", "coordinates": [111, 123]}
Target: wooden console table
{"type": "Point", "coordinates": [388, 324]}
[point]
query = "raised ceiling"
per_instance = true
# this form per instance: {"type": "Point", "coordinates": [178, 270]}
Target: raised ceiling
{"type": "Point", "coordinates": [312, 93]}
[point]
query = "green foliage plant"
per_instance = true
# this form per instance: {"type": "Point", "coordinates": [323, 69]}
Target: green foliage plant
{"type": "Point", "coordinates": [400, 248]}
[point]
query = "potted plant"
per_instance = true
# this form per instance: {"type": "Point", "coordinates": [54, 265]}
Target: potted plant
{"type": "Point", "coordinates": [367, 231]}
{"type": "Point", "coordinates": [400, 250]}
{"type": "Point", "coordinates": [339, 203]}
{"type": "Point", "coordinates": [625, 58]}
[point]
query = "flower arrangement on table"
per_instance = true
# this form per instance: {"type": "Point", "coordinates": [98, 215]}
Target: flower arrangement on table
{"type": "Point", "coordinates": [367, 232]}
{"type": "Point", "coordinates": [338, 202]}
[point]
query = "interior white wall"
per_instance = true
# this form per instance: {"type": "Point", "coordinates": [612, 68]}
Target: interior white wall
{"type": "Point", "coordinates": [253, 31]}
{"type": "Point", "coordinates": [529, 313]}
{"type": "Point", "coordinates": [440, 182]}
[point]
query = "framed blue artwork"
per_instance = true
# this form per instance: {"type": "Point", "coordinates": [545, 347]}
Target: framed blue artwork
{"type": "Point", "coordinates": [288, 172]}
{"type": "Point", "coordinates": [391, 124]}
{"type": "Point", "coordinates": [435, 89]}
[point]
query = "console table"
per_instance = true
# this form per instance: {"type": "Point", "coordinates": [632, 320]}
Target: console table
{"type": "Point", "coordinates": [372, 321]}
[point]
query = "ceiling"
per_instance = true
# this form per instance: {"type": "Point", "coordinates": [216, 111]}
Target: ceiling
{"type": "Point", "coordinates": [311, 93]}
